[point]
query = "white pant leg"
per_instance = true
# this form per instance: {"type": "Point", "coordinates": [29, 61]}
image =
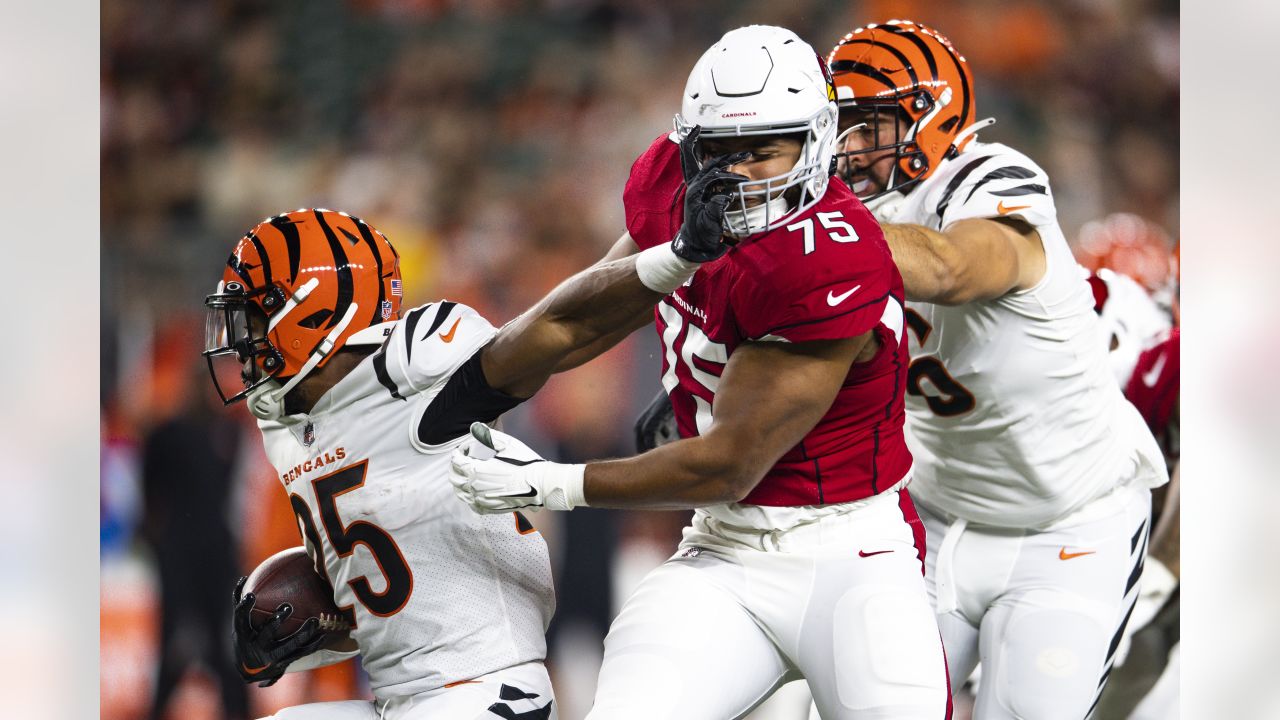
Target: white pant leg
{"type": "Point", "coordinates": [869, 645]}
{"type": "Point", "coordinates": [959, 631]}
{"type": "Point", "coordinates": [683, 647]}
{"type": "Point", "coordinates": [342, 710]}
{"type": "Point", "coordinates": [522, 692]}
{"type": "Point", "coordinates": [1047, 641]}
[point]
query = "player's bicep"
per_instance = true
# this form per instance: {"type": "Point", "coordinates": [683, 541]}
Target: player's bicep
{"type": "Point", "coordinates": [995, 258]}
{"type": "Point", "coordinates": [773, 393]}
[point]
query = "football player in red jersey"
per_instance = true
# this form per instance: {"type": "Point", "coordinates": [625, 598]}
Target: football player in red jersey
{"type": "Point", "coordinates": [785, 361]}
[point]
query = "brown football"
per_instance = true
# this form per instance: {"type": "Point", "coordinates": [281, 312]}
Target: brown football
{"type": "Point", "coordinates": [290, 577]}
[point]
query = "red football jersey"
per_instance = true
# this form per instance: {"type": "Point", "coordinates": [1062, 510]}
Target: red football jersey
{"type": "Point", "coordinates": [1153, 389]}
{"type": "Point", "coordinates": [825, 275]}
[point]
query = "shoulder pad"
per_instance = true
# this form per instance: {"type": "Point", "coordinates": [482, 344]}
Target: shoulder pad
{"type": "Point", "coordinates": [428, 345]}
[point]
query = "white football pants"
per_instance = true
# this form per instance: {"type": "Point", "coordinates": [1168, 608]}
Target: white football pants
{"type": "Point", "coordinates": [1042, 610]}
{"type": "Point", "coordinates": [735, 613]}
{"type": "Point", "coordinates": [522, 692]}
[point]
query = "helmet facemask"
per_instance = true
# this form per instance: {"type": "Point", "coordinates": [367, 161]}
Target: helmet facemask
{"type": "Point", "coordinates": [909, 164]}
{"type": "Point", "coordinates": [236, 343]}
{"type": "Point", "coordinates": [759, 206]}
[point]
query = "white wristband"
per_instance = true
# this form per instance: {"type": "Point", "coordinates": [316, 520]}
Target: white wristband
{"type": "Point", "coordinates": [561, 485]}
{"type": "Point", "coordinates": [661, 270]}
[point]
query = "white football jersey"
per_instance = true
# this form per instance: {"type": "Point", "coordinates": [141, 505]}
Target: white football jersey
{"type": "Point", "coordinates": [439, 593]}
{"type": "Point", "coordinates": [1012, 414]}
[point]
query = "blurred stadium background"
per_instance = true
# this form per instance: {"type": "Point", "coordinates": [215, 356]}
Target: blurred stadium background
{"type": "Point", "coordinates": [490, 140]}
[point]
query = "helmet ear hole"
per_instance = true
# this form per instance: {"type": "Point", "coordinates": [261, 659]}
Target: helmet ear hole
{"type": "Point", "coordinates": [316, 319]}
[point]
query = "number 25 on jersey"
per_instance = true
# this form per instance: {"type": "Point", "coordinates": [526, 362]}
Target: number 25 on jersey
{"type": "Point", "coordinates": [343, 538]}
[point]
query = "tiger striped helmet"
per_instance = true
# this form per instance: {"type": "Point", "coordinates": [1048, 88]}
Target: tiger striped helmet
{"type": "Point", "coordinates": [297, 288]}
{"type": "Point", "coordinates": [911, 74]}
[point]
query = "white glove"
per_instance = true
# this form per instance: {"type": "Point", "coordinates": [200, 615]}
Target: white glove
{"type": "Point", "coordinates": [499, 474]}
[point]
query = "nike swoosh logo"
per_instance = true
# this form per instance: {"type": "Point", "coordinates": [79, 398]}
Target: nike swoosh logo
{"type": "Point", "coordinates": [1064, 555]}
{"type": "Point", "coordinates": [1006, 209]}
{"type": "Point", "coordinates": [864, 553]}
{"type": "Point", "coordinates": [530, 493]}
{"type": "Point", "coordinates": [1150, 377]}
{"type": "Point", "coordinates": [448, 337]}
{"type": "Point", "coordinates": [834, 299]}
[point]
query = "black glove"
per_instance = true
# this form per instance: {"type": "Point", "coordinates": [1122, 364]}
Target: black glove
{"type": "Point", "coordinates": [261, 655]}
{"type": "Point", "coordinates": [656, 426]}
{"type": "Point", "coordinates": [708, 191]}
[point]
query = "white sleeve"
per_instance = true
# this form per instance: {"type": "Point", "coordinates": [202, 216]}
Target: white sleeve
{"type": "Point", "coordinates": [428, 345]}
{"type": "Point", "coordinates": [320, 658]}
{"type": "Point", "coordinates": [998, 182]}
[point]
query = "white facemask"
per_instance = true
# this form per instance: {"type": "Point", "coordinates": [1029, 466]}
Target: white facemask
{"type": "Point", "coordinates": [754, 219]}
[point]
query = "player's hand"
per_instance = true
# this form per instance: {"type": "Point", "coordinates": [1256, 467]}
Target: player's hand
{"type": "Point", "coordinates": [708, 191]}
{"type": "Point", "coordinates": [656, 426]}
{"type": "Point", "coordinates": [262, 655]}
{"type": "Point", "coordinates": [498, 474]}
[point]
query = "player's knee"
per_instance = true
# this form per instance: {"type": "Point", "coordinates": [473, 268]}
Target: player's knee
{"type": "Point", "coordinates": [887, 651]}
{"type": "Point", "coordinates": [1050, 664]}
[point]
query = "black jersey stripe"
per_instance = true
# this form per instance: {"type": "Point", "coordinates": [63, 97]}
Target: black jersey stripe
{"type": "Point", "coordinates": [875, 455]}
{"type": "Point", "coordinates": [266, 261]}
{"type": "Point", "coordinates": [1004, 173]}
{"type": "Point", "coordinates": [292, 242]}
{"type": "Point", "coordinates": [957, 181]}
{"type": "Point", "coordinates": [1031, 189]}
{"type": "Point", "coordinates": [817, 473]}
{"type": "Point", "coordinates": [410, 323]}
{"type": "Point", "coordinates": [342, 267]}
{"type": "Point", "coordinates": [442, 314]}
{"type": "Point", "coordinates": [380, 369]}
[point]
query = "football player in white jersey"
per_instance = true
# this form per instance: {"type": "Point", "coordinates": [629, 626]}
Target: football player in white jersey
{"type": "Point", "coordinates": [1033, 473]}
{"type": "Point", "coordinates": [360, 406]}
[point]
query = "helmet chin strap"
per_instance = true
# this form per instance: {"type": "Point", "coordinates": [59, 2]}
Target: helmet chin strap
{"type": "Point", "coordinates": [267, 400]}
{"type": "Point", "coordinates": [964, 134]}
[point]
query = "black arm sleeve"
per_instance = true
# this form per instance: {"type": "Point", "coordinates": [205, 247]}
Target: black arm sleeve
{"type": "Point", "coordinates": [465, 398]}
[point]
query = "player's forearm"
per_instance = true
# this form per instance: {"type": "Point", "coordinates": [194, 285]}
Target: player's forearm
{"type": "Point", "coordinates": [689, 473]}
{"type": "Point", "coordinates": [927, 261]}
{"type": "Point", "coordinates": [596, 301]}
{"type": "Point", "coordinates": [603, 344]}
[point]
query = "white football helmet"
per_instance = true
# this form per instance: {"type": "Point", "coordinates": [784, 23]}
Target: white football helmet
{"type": "Point", "coordinates": [764, 80]}
{"type": "Point", "coordinates": [1131, 320]}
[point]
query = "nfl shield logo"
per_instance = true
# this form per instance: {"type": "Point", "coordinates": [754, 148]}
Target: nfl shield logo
{"type": "Point", "coordinates": [308, 434]}
{"type": "Point", "coordinates": [386, 309]}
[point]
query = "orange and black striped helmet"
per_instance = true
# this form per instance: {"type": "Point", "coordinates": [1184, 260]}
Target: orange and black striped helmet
{"type": "Point", "coordinates": [912, 74]}
{"type": "Point", "coordinates": [297, 288]}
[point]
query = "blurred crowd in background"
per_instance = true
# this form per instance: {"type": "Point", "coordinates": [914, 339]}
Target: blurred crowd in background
{"type": "Point", "coordinates": [490, 141]}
